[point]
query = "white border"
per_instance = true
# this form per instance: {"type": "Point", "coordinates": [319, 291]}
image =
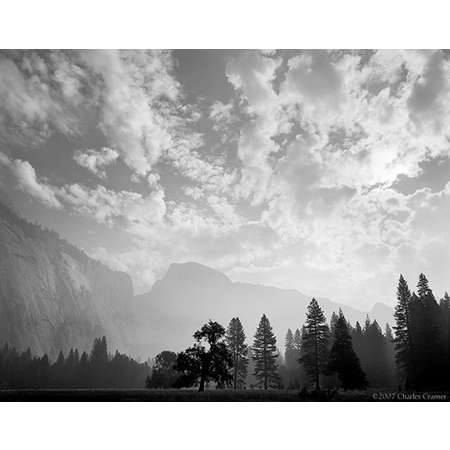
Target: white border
{"type": "Point", "coordinates": [223, 426]}
{"type": "Point", "coordinates": [227, 24]}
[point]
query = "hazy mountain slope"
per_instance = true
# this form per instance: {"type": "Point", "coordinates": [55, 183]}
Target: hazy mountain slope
{"type": "Point", "coordinates": [53, 296]}
{"type": "Point", "coordinates": [190, 294]}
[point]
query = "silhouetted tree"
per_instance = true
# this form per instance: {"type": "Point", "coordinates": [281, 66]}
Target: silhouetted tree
{"type": "Point", "coordinates": [343, 359]}
{"type": "Point", "coordinates": [208, 359]}
{"type": "Point", "coordinates": [427, 337]}
{"type": "Point", "coordinates": [333, 322]}
{"type": "Point", "coordinates": [84, 379]}
{"type": "Point", "coordinates": [59, 371]}
{"type": "Point", "coordinates": [99, 361]}
{"type": "Point", "coordinates": [403, 331]}
{"type": "Point", "coordinates": [444, 305]}
{"type": "Point", "coordinates": [235, 339]}
{"type": "Point", "coordinates": [265, 355]}
{"type": "Point", "coordinates": [163, 374]}
{"type": "Point", "coordinates": [315, 339]}
{"type": "Point", "coordinates": [357, 339]}
{"type": "Point", "coordinates": [375, 356]}
{"type": "Point", "coordinates": [293, 372]}
{"type": "Point", "coordinates": [297, 341]}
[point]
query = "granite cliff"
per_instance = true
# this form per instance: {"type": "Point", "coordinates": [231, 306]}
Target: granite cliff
{"type": "Point", "coordinates": [53, 296]}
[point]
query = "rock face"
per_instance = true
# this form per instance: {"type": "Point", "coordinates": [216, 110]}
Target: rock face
{"type": "Point", "coordinates": [54, 297]}
{"type": "Point", "coordinates": [190, 294]}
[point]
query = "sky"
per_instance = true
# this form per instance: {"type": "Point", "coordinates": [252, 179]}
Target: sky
{"type": "Point", "coordinates": [324, 171]}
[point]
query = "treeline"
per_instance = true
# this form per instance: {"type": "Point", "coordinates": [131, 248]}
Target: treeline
{"type": "Point", "coordinates": [374, 349]}
{"type": "Point", "coordinates": [322, 355]}
{"type": "Point", "coordinates": [422, 337]}
{"type": "Point", "coordinates": [20, 370]}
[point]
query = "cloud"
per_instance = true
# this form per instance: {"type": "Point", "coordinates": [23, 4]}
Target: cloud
{"type": "Point", "coordinates": [136, 103]}
{"type": "Point", "coordinates": [135, 212]}
{"type": "Point", "coordinates": [312, 76]}
{"type": "Point", "coordinates": [221, 112]}
{"type": "Point", "coordinates": [211, 175]}
{"type": "Point", "coordinates": [95, 161]}
{"type": "Point", "coordinates": [134, 95]}
{"type": "Point", "coordinates": [252, 75]}
{"type": "Point", "coordinates": [20, 175]}
{"type": "Point", "coordinates": [40, 94]}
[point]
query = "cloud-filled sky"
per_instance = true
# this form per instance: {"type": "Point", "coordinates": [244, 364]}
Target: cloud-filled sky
{"type": "Point", "coordinates": [324, 171]}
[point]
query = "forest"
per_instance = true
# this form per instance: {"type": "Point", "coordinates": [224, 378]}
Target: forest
{"type": "Point", "coordinates": [98, 369]}
{"type": "Point", "coordinates": [318, 356]}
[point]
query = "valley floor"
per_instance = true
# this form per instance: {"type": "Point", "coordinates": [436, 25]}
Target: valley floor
{"type": "Point", "coordinates": [225, 395]}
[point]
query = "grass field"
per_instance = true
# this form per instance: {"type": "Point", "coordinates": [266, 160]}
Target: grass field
{"type": "Point", "coordinates": [222, 395]}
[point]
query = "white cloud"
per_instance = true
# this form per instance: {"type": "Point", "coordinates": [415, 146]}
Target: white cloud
{"type": "Point", "coordinates": [252, 74]}
{"type": "Point", "coordinates": [135, 100]}
{"type": "Point", "coordinates": [137, 213]}
{"type": "Point", "coordinates": [20, 175]}
{"type": "Point", "coordinates": [39, 95]}
{"type": "Point", "coordinates": [95, 161]}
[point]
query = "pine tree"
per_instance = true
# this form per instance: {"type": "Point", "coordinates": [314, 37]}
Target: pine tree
{"type": "Point", "coordinates": [333, 322]}
{"type": "Point", "coordinates": [367, 324]}
{"type": "Point", "coordinates": [444, 305]}
{"type": "Point", "coordinates": [297, 341]}
{"type": "Point", "coordinates": [265, 355]}
{"type": "Point", "coordinates": [235, 339]}
{"type": "Point", "coordinates": [403, 331]}
{"type": "Point", "coordinates": [58, 370]}
{"type": "Point", "coordinates": [314, 352]}
{"type": "Point", "coordinates": [289, 349]}
{"type": "Point", "coordinates": [99, 361]}
{"type": "Point", "coordinates": [343, 359]}
{"type": "Point", "coordinates": [423, 288]}
{"type": "Point", "coordinates": [427, 324]}
{"type": "Point", "coordinates": [291, 356]}
{"type": "Point", "coordinates": [289, 341]}
{"type": "Point", "coordinates": [375, 361]}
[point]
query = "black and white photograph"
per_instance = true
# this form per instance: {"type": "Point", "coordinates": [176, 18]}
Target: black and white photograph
{"type": "Point", "coordinates": [224, 225]}
{"type": "Point", "coordinates": [250, 225]}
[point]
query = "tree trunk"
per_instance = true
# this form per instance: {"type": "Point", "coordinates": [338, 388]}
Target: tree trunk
{"type": "Point", "coordinates": [202, 384]}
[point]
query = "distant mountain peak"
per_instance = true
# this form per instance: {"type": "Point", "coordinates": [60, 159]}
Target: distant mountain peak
{"type": "Point", "coordinates": [192, 271]}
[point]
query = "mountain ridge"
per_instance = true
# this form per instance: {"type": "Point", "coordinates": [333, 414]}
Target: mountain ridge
{"type": "Point", "coordinates": [190, 293]}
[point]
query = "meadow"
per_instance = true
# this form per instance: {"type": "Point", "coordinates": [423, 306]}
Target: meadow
{"type": "Point", "coordinates": [213, 395]}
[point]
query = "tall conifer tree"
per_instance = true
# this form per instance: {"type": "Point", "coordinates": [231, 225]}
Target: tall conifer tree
{"type": "Point", "coordinates": [235, 339]}
{"type": "Point", "coordinates": [297, 341]}
{"type": "Point", "coordinates": [343, 359]}
{"type": "Point", "coordinates": [315, 339]}
{"type": "Point", "coordinates": [403, 331]}
{"type": "Point", "coordinates": [265, 355]}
